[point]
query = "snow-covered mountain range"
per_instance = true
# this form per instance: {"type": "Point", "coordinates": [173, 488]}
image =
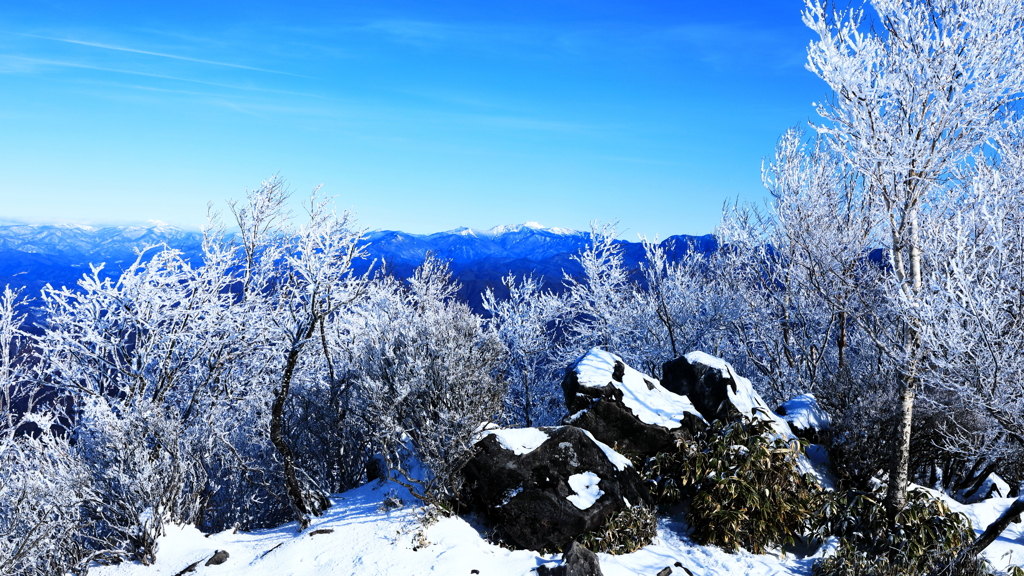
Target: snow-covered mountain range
{"type": "Point", "coordinates": [33, 255]}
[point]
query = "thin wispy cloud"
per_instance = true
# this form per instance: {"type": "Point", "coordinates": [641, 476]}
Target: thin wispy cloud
{"type": "Point", "coordinates": [67, 64]}
{"type": "Point", "coordinates": [724, 44]}
{"type": "Point", "coordinates": [157, 54]}
{"type": "Point", "coordinates": [720, 45]}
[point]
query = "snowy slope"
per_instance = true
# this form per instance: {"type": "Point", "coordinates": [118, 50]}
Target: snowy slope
{"type": "Point", "coordinates": [366, 538]}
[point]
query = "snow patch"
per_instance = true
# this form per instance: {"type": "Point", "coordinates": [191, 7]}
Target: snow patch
{"type": "Point", "coordinates": [510, 495]}
{"type": "Point", "coordinates": [519, 440]}
{"type": "Point", "coordinates": [367, 540]}
{"type": "Point", "coordinates": [586, 491]}
{"type": "Point", "coordinates": [992, 487]}
{"type": "Point", "coordinates": [618, 460]}
{"type": "Point", "coordinates": [642, 394]}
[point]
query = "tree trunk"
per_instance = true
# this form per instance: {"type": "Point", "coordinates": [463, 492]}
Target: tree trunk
{"type": "Point", "coordinates": [899, 466]}
{"type": "Point", "coordinates": [296, 495]}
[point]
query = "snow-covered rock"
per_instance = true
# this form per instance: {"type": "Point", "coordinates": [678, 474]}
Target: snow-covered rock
{"type": "Point", "coordinates": [625, 408]}
{"type": "Point", "coordinates": [806, 418]}
{"type": "Point", "coordinates": [543, 495]}
{"type": "Point", "coordinates": [576, 561]}
{"type": "Point", "coordinates": [719, 393]}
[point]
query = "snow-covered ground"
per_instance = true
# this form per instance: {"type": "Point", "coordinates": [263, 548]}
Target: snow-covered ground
{"type": "Point", "coordinates": [1008, 549]}
{"type": "Point", "coordinates": [359, 535]}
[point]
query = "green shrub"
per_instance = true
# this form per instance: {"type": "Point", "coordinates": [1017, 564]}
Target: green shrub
{"type": "Point", "coordinates": [742, 486]}
{"type": "Point", "coordinates": [625, 531]}
{"type": "Point", "coordinates": [925, 536]}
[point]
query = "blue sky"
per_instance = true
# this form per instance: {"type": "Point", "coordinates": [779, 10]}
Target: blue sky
{"type": "Point", "coordinates": [418, 116]}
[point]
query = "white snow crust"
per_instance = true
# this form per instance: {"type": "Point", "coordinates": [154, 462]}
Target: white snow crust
{"type": "Point", "coordinates": [519, 440]}
{"type": "Point", "coordinates": [993, 484]}
{"type": "Point", "coordinates": [586, 491]}
{"type": "Point", "coordinates": [652, 404]}
{"type": "Point", "coordinates": [1008, 548]}
{"type": "Point", "coordinates": [525, 440]}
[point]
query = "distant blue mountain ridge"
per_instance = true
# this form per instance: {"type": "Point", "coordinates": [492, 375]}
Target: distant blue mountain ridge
{"type": "Point", "coordinates": [32, 256]}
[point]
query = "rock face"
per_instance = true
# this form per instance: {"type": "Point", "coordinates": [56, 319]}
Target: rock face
{"type": "Point", "coordinates": [220, 557]}
{"type": "Point", "coordinates": [581, 562]}
{"type": "Point", "coordinates": [545, 486]}
{"type": "Point", "coordinates": [624, 408]}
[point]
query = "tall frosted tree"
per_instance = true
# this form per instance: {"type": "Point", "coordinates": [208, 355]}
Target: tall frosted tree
{"type": "Point", "coordinates": [921, 89]}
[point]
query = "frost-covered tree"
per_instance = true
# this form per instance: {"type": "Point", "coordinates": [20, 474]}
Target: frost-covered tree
{"type": "Point", "coordinates": [42, 487]}
{"type": "Point", "coordinates": [596, 303]}
{"type": "Point", "coordinates": [915, 101]}
{"type": "Point", "coordinates": [427, 371]}
{"type": "Point", "coordinates": [682, 305]}
{"type": "Point", "coordinates": [810, 273]}
{"type": "Point", "coordinates": [179, 373]}
{"type": "Point", "coordinates": [970, 318]}
{"type": "Point", "coordinates": [298, 279]}
{"type": "Point", "coordinates": [136, 357]}
{"type": "Point", "coordinates": [525, 322]}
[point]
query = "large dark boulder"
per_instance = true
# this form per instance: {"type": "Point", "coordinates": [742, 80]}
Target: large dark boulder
{"type": "Point", "coordinates": [704, 385]}
{"type": "Point", "coordinates": [717, 391]}
{"type": "Point", "coordinates": [626, 409]}
{"type": "Point", "coordinates": [543, 487]}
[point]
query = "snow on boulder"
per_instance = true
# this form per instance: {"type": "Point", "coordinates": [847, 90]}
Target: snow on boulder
{"type": "Point", "coordinates": [718, 392]}
{"type": "Point", "coordinates": [545, 497]}
{"type": "Point", "coordinates": [805, 417]}
{"type": "Point", "coordinates": [625, 408]}
{"type": "Point", "coordinates": [520, 440]}
{"type": "Point", "coordinates": [585, 490]}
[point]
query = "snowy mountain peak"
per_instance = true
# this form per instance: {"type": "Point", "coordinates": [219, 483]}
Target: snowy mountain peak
{"type": "Point", "coordinates": [511, 228]}
{"type": "Point", "coordinates": [82, 227]}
